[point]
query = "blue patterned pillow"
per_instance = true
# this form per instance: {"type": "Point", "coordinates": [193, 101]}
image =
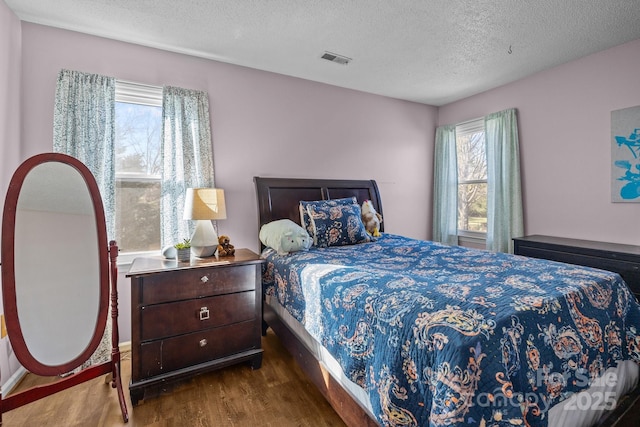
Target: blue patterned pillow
{"type": "Point", "coordinates": [337, 225]}
{"type": "Point", "coordinates": [305, 221]}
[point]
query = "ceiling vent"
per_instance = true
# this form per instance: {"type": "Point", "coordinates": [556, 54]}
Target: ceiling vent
{"type": "Point", "coordinates": [334, 57]}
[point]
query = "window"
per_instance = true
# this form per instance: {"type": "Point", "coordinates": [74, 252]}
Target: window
{"type": "Point", "coordinates": [472, 178]}
{"type": "Point", "coordinates": [138, 168]}
{"type": "Point", "coordinates": [477, 199]}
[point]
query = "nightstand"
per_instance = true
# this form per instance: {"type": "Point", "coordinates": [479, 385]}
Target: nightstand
{"type": "Point", "coordinates": [192, 317]}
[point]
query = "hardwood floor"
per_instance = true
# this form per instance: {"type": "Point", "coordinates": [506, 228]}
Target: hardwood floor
{"type": "Point", "coordinates": [277, 395]}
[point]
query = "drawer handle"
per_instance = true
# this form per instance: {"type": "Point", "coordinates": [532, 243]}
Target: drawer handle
{"type": "Point", "coordinates": [204, 313]}
{"type": "Point", "coordinates": [203, 342]}
{"type": "Point", "coordinates": [204, 279]}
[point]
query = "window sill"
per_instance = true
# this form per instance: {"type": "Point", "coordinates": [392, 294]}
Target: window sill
{"type": "Point", "coordinates": [125, 259]}
{"type": "Point", "coordinates": [472, 240]}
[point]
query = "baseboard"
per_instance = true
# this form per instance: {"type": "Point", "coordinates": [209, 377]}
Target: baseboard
{"type": "Point", "coordinates": [125, 347]}
{"type": "Point", "coordinates": [13, 381]}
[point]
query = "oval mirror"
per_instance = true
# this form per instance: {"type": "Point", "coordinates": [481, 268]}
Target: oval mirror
{"type": "Point", "coordinates": [55, 276]}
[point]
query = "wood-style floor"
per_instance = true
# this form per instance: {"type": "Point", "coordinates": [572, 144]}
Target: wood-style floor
{"type": "Point", "coordinates": [277, 395]}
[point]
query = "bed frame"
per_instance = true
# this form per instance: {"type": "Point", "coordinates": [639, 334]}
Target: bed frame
{"type": "Point", "coordinates": [278, 198]}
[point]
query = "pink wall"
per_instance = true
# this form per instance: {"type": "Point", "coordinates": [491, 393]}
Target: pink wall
{"type": "Point", "coordinates": [10, 54]}
{"type": "Point", "coordinates": [262, 124]}
{"type": "Point", "coordinates": [10, 65]}
{"type": "Point", "coordinates": [565, 141]}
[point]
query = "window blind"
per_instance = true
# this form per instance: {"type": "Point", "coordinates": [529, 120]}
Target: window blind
{"type": "Point", "coordinates": [138, 93]}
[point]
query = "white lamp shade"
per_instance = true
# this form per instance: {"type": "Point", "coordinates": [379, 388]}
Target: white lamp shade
{"type": "Point", "coordinates": [204, 203]}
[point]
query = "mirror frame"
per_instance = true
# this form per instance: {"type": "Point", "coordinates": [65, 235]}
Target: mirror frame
{"type": "Point", "coordinates": [14, 329]}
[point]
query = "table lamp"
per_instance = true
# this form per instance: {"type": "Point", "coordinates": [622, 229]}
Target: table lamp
{"type": "Point", "coordinates": [204, 205]}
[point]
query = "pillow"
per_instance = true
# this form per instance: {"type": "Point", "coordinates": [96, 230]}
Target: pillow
{"type": "Point", "coordinates": [285, 236]}
{"type": "Point", "coordinates": [337, 225]}
{"type": "Point", "coordinates": [304, 215]}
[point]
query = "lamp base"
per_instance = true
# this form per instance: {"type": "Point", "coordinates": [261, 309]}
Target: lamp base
{"type": "Point", "coordinates": [204, 240]}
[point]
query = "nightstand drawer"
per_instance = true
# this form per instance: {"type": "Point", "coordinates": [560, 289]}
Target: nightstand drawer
{"type": "Point", "coordinates": [197, 283]}
{"type": "Point", "coordinates": [187, 350]}
{"type": "Point", "coordinates": [170, 319]}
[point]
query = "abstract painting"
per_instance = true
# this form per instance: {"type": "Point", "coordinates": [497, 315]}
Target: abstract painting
{"type": "Point", "coordinates": [625, 155]}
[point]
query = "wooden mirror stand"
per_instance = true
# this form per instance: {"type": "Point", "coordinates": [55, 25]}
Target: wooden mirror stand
{"type": "Point", "coordinates": [59, 277]}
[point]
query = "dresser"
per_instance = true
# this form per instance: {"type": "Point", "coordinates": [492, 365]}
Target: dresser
{"type": "Point", "coordinates": [619, 258]}
{"type": "Point", "coordinates": [192, 317]}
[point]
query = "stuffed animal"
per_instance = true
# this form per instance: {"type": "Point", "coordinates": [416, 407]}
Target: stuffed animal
{"type": "Point", "coordinates": [371, 219]}
{"type": "Point", "coordinates": [224, 247]}
{"type": "Point", "coordinates": [285, 236]}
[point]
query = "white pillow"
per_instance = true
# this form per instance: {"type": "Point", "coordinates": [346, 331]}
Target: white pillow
{"type": "Point", "coordinates": [285, 236]}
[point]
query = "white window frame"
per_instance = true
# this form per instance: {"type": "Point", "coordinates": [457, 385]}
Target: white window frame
{"type": "Point", "coordinates": [136, 93]}
{"type": "Point", "coordinates": [465, 237]}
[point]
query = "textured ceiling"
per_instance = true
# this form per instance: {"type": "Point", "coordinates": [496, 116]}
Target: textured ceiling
{"type": "Point", "coordinates": [428, 51]}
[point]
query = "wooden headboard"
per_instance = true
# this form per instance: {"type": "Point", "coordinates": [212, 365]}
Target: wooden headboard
{"type": "Point", "coordinates": [279, 198]}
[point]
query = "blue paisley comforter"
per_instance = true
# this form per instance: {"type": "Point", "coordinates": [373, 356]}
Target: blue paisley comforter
{"type": "Point", "coordinates": [441, 335]}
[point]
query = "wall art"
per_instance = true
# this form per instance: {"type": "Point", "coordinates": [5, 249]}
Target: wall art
{"type": "Point", "coordinates": [625, 155]}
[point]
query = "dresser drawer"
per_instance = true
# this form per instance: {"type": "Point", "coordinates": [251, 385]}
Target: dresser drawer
{"type": "Point", "coordinates": [602, 263]}
{"type": "Point", "coordinates": [621, 259]}
{"type": "Point", "coordinates": [191, 349]}
{"type": "Point", "coordinates": [170, 319]}
{"type": "Point", "coordinates": [196, 283]}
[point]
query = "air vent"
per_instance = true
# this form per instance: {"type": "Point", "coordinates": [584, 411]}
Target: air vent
{"type": "Point", "coordinates": [334, 57]}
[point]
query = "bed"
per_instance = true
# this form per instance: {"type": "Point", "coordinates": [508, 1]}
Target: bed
{"type": "Point", "coordinates": [404, 332]}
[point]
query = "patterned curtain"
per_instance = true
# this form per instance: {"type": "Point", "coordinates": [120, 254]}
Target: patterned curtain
{"type": "Point", "coordinates": [84, 127]}
{"type": "Point", "coordinates": [504, 200]}
{"type": "Point", "coordinates": [187, 157]}
{"type": "Point", "coordinates": [445, 186]}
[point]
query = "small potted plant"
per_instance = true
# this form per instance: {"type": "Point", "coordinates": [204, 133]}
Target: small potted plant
{"type": "Point", "coordinates": [184, 250]}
